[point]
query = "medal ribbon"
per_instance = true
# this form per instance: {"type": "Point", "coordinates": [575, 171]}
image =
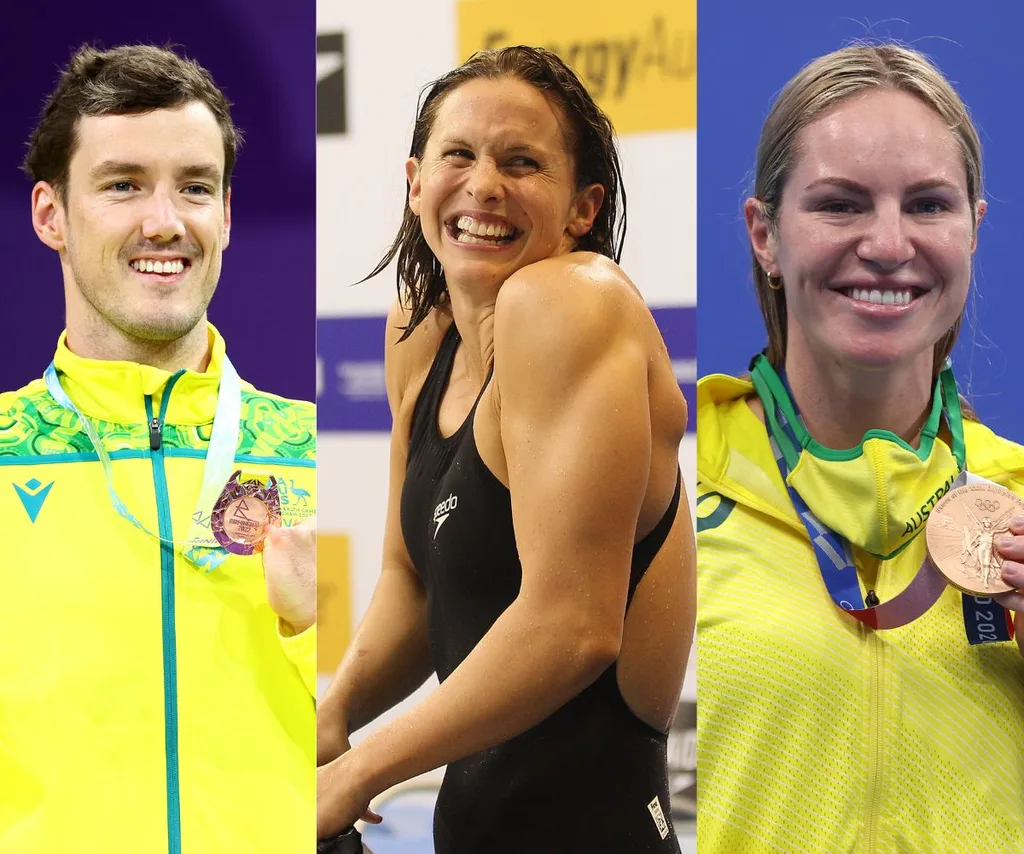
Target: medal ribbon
{"type": "Point", "coordinates": [984, 620]}
{"type": "Point", "coordinates": [201, 547]}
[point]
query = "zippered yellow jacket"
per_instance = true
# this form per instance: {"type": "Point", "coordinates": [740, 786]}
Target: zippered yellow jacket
{"type": "Point", "coordinates": [817, 734]}
{"type": "Point", "coordinates": [146, 706]}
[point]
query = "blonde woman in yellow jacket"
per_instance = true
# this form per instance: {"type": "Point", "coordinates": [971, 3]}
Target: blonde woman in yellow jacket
{"type": "Point", "coordinates": [823, 727]}
{"type": "Point", "coordinates": [156, 688]}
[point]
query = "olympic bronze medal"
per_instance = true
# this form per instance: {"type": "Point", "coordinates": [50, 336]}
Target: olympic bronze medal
{"type": "Point", "coordinates": [244, 512]}
{"type": "Point", "coordinates": [962, 532]}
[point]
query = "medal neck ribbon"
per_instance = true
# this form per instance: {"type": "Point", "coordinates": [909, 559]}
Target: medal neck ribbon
{"type": "Point", "coordinates": [833, 492]}
{"type": "Point", "coordinates": [201, 547]}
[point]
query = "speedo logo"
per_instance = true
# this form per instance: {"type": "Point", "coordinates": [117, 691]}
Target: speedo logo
{"type": "Point", "coordinates": [443, 510]}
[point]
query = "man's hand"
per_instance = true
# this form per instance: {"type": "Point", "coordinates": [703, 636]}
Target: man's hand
{"type": "Point", "coordinates": [289, 566]}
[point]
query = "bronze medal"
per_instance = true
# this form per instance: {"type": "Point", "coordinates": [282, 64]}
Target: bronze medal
{"type": "Point", "coordinates": [962, 532]}
{"type": "Point", "coordinates": [244, 512]}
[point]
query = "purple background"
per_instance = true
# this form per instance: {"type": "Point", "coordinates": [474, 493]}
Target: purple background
{"type": "Point", "coordinates": [262, 53]}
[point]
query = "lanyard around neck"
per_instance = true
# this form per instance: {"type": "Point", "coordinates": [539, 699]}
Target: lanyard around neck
{"type": "Point", "coordinates": [202, 548]}
{"type": "Point", "coordinates": [983, 622]}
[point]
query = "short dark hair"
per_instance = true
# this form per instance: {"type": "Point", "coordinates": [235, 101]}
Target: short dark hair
{"type": "Point", "coordinates": [121, 81]}
{"type": "Point", "coordinates": [591, 140]}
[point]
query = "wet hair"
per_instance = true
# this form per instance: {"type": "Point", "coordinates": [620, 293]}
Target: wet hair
{"type": "Point", "coordinates": [820, 87]}
{"type": "Point", "coordinates": [590, 139]}
{"type": "Point", "coordinates": [125, 80]}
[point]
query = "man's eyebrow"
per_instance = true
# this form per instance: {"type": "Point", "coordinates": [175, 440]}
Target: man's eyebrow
{"type": "Point", "coordinates": [210, 171]}
{"type": "Point", "coordinates": [115, 167]}
{"type": "Point", "coordinates": [109, 168]}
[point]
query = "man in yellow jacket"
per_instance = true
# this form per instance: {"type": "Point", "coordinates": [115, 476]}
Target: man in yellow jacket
{"type": "Point", "coordinates": [158, 669]}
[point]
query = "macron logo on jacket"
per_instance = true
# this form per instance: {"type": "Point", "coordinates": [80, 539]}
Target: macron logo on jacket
{"type": "Point", "coordinates": [443, 510]}
{"type": "Point", "coordinates": [32, 496]}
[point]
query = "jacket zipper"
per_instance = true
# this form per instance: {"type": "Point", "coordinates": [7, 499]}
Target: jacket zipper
{"type": "Point", "coordinates": [155, 431]}
{"type": "Point", "coordinates": [876, 737]}
{"type": "Point", "coordinates": [163, 505]}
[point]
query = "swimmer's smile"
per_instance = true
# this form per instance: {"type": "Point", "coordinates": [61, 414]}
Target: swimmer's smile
{"type": "Point", "coordinates": [480, 231]}
{"type": "Point", "coordinates": [882, 300]}
{"type": "Point", "coordinates": [165, 270]}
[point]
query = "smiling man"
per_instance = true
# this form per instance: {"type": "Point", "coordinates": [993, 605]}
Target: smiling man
{"type": "Point", "coordinates": [156, 693]}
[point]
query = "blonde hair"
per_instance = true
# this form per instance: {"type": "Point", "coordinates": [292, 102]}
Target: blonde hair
{"type": "Point", "coordinates": [820, 86]}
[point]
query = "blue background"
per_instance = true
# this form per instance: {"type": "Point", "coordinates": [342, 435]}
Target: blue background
{"type": "Point", "coordinates": [747, 53]}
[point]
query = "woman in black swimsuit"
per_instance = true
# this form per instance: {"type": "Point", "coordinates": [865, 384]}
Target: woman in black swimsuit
{"type": "Point", "coordinates": [538, 552]}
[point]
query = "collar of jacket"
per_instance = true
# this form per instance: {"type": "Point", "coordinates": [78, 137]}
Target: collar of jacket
{"type": "Point", "coordinates": [734, 457]}
{"type": "Point", "coordinates": [116, 391]}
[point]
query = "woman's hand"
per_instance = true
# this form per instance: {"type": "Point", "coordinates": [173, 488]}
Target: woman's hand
{"type": "Point", "coordinates": [343, 795]}
{"type": "Point", "coordinates": [331, 737]}
{"type": "Point", "coordinates": [1011, 549]}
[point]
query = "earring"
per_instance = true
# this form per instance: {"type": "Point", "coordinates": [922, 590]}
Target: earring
{"type": "Point", "coordinates": [777, 287]}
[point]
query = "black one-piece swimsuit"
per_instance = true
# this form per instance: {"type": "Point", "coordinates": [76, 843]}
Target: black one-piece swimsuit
{"type": "Point", "coordinates": [592, 777]}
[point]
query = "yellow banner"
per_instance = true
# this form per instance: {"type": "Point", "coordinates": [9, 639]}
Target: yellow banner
{"type": "Point", "coordinates": [637, 58]}
{"type": "Point", "coordinates": [333, 600]}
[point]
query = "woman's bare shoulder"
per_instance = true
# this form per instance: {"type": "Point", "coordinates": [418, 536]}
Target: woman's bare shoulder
{"type": "Point", "coordinates": [407, 361]}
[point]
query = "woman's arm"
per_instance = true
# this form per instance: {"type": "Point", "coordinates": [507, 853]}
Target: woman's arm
{"type": "Point", "coordinates": [388, 657]}
{"type": "Point", "coordinates": [575, 427]}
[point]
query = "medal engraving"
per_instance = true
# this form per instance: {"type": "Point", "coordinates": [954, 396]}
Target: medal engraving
{"type": "Point", "coordinates": [244, 512]}
{"type": "Point", "coordinates": [961, 534]}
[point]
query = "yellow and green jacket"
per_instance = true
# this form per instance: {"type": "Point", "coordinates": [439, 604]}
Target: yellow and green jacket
{"type": "Point", "coordinates": [817, 734]}
{"type": "Point", "coordinates": [146, 705]}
